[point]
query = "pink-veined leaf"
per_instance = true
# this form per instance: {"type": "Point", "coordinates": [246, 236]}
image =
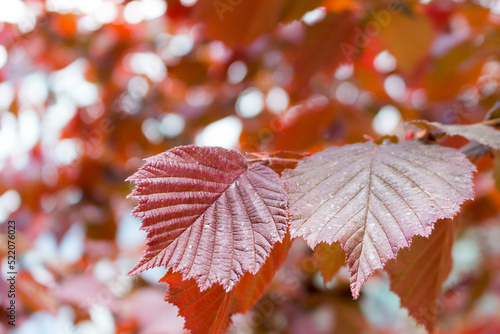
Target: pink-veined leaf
{"type": "Point", "coordinates": [483, 134]}
{"type": "Point", "coordinates": [208, 214]}
{"type": "Point", "coordinates": [374, 198]}
{"type": "Point", "coordinates": [418, 273]}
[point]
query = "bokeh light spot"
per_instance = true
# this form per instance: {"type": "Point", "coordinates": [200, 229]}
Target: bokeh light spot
{"type": "Point", "coordinates": [224, 133]}
{"type": "Point", "coordinates": [277, 100]}
{"type": "Point", "coordinates": [250, 103]}
{"type": "Point", "coordinates": [386, 120]}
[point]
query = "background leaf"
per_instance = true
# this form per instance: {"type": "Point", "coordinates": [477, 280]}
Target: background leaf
{"type": "Point", "coordinates": [240, 22]}
{"type": "Point", "coordinates": [400, 28]}
{"type": "Point", "coordinates": [205, 312]}
{"type": "Point", "coordinates": [279, 161]}
{"type": "Point", "coordinates": [418, 273]}
{"type": "Point", "coordinates": [209, 311]}
{"type": "Point", "coordinates": [207, 214]}
{"type": "Point", "coordinates": [329, 259]}
{"type": "Point", "coordinates": [374, 199]}
{"type": "Point", "coordinates": [483, 134]}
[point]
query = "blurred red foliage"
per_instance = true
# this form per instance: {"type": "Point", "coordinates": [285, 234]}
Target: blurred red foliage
{"type": "Point", "coordinates": [90, 88]}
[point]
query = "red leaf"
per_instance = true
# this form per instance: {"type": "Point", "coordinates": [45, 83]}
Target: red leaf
{"type": "Point", "coordinates": [205, 312]}
{"type": "Point", "coordinates": [408, 37]}
{"type": "Point", "coordinates": [208, 214]}
{"type": "Point", "coordinates": [239, 22]}
{"type": "Point", "coordinates": [209, 311]}
{"type": "Point", "coordinates": [374, 199]}
{"type": "Point", "coordinates": [279, 161]}
{"type": "Point", "coordinates": [418, 273]}
{"type": "Point", "coordinates": [483, 134]}
{"type": "Point", "coordinates": [326, 45]}
{"type": "Point", "coordinates": [329, 259]}
{"type": "Point", "coordinates": [309, 119]}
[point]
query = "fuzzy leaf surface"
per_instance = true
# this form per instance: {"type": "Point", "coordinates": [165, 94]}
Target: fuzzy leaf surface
{"type": "Point", "coordinates": [209, 311]}
{"type": "Point", "coordinates": [418, 273]}
{"type": "Point", "coordinates": [208, 214]}
{"type": "Point", "coordinates": [374, 198]}
{"type": "Point", "coordinates": [483, 134]}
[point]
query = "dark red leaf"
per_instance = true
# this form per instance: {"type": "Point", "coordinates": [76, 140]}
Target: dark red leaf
{"type": "Point", "coordinates": [208, 214]}
{"type": "Point", "coordinates": [327, 44]}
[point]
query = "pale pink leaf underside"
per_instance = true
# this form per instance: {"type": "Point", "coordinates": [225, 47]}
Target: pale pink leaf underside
{"type": "Point", "coordinates": [374, 199]}
{"type": "Point", "coordinates": [208, 214]}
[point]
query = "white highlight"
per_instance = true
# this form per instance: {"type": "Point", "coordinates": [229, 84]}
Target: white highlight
{"type": "Point", "coordinates": [277, 100]}
{"type": "Point", "coordinates": [138, 87]}
{"type": "Point", "coordinates": [250, 103]}
{"type": "Point", "coordinates": [344, 72]}
{"type": "Point", "coordinates": [3, 56]}
{"type": "Point", "coordinates": [180, 45]}
{"type": "Point", "coordinates": [72, 244]}
{"type": "Point", "coordinates": [395, 87]}
{"type": "Point", "coordinates": [6, 95]}
{"type": "Point", "coordinates": [137, 11]}
{"type": "Point", "coordinates": [132, 13]}
{"type": "Point", "coordinates": [188, 3]}
{"type": "Point", "coordinates": [386, 120]}
{"type": "Point", "coordinates": [236, 72]}
{"type": "Point", "coordinates": [152, 9]}
{"type": "Point", "coordinates": [346, 93]}
{"type": "Point", "coordinates": [10, 201]}
{"type": "Point", "coordinates": [70, 81]}
{"type": "Point", "coordinates": [16, 12]}
{"type": "Point", "coordinates": [149, 64]}
{"type": "Point", "coordinates": [66, 151]}
{"type": "Point", "coordinates": [29, 128]}
{"type": "Point", "coordinates": [224, 133]}
{"type": "Point", "coordinates": [151, 129]}
{"type": "Point", "coordinates": [172, 125]}
{"type": "Point", "coordinates": [106, 12]}
{"type": "Point", "coordinates": [34, 89]}
{"type": "Point", "coordinates": [384, 62]}
{"type": "Point", "coordinates": [8, 134]}
{"type": "Point", "coordinates": [314, 16]}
